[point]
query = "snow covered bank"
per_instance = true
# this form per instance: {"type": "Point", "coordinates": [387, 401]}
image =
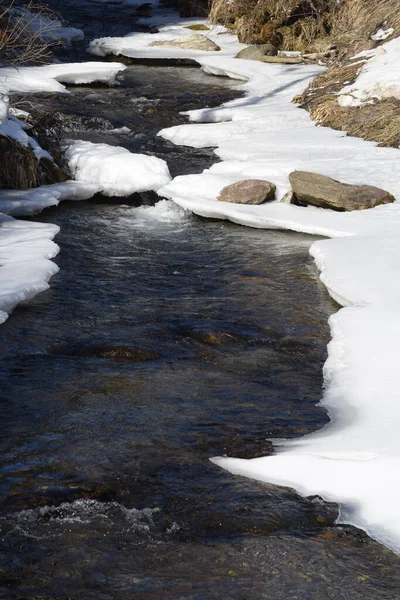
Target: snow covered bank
{"type": "Point", "coordinates": [50, 78]}
{"type": "Point", "coordinates": [25, 265]}
{"type": "Point", "coordinates": [356, 458]}
{"type": "Point", "coordinates": [378, 79]}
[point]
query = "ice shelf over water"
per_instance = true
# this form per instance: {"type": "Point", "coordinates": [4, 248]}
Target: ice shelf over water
{"type": "Point", "coordinates": [50, 78]}
{"type": "Point", "coordinates": [25, 266]}
{"type": "Point", "coordinates": [354, 460]}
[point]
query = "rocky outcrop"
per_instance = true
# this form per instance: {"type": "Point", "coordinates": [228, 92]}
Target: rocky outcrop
{"type": "Point", "coordinates": [190, 42]}
{"type": "Point", "coordinates": [322, 191]}
{"type": "Point", "coordinates": [248, 191]}
{"type": "Point", "coordinates": [257, 52]}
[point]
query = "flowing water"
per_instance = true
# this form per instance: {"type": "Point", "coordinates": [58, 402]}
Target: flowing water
{"type": "Point", "coordinates": [165, 340]}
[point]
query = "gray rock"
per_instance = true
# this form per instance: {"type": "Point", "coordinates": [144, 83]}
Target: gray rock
{"type": "Point", "coordinates": [319, 190]}
{"type": "Point", "coordinates": [248, 191]}
{"type": "Point", "coordinates": [257, 52]}
{"type": "Point", "coordinates": [197, 41]}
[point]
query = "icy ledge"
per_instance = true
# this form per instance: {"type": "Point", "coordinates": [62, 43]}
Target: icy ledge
{"type": "Point", "coordinates": [50, 78]}
{"type": "Point", "coordinates": [25, 265]}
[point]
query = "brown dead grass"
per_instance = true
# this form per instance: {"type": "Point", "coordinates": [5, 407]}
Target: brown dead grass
{"type": "Point", "coordinates": [305, 25]}
{"type": "Point", "coordinates": [357, 20]}
{"type": "Point", "coordinates": [20, 169]}
{"type": "Point", "coordinates": [288, 24]}
{"type": "Point", "coordinates": [379, 122]}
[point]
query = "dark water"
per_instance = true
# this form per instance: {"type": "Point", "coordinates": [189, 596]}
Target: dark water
{"type": "Point", "coordinates": [163, 341]}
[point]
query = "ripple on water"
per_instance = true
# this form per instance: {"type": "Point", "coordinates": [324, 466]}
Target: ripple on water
{"type": "Point", "coordinates": [100, 518]}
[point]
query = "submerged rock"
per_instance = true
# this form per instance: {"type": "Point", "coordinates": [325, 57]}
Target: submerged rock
{"type": "Point", "coordinates": [120, 352]}
{"type": "Point", "coordinates": [248, 191]}
{"type": "Point", "coordinates": [322, 191]}
{"type": "Point", "coordinates": [257, 52]}
{"type": "Point", "coordinates": [190, 42]}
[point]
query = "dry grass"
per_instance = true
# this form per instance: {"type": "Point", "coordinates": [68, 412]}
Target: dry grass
{"type": "Point", "coordinates": [20, 44]}
{"type": "Point", "coordinates": [357, 20]}
{"type": "Point", "coordinates": [21, 170]}
{"type": "Point", "coordinates": [379, 122]}
{"type": "Point", "coordinates": [288, 24]}
{"type": "Point", "coordinates": [305, 25]}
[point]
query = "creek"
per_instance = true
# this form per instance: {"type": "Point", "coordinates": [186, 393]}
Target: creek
{"type": "Point", "coordinates": [165, 340]}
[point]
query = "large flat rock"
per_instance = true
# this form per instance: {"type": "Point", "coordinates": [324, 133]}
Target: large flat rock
{"type": "Point", "coordinates": [322, 191]}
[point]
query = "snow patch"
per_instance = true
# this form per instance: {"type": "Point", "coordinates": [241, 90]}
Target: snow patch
{"type": "Point", "coordinates": [378, 79]}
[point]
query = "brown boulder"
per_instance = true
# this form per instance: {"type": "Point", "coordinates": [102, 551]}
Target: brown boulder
{"type": "Point", "coordinates": [322, 191]}
{"type": "Point", "coordinates": [248, 191]}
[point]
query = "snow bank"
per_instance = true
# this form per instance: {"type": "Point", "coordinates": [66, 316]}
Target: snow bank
{"type": "Point", "coordinates": [50, 78]}
{"type": "Point", "coordinates": [24, 203]}
{"type": "Point", "coordinates": [378, 79]}
{"type": "Point", "coordinates": [25, 265]}
{"type": "Point", "coordinates": [115, 170]}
